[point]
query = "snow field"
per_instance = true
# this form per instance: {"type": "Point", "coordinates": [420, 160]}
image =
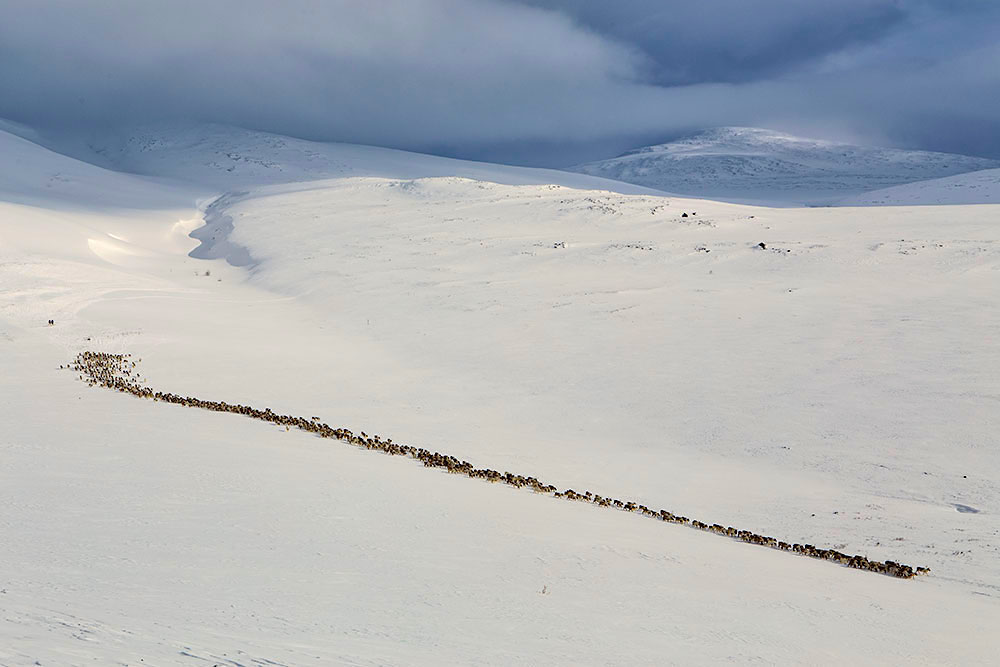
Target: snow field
{"type": "Point", "coordinates": [836, 387]}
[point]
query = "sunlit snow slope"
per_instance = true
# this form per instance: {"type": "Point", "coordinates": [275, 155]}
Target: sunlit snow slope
{"type": "Point", "coordinates": [836, 386]}
{"type": "Point", "coordinates": [978, 187]}
{"type": "Point", "coordinates": [762, 166]}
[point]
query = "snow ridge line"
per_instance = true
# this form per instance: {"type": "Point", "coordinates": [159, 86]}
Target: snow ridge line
{"type": "Point", "coordinates": [118, 372]}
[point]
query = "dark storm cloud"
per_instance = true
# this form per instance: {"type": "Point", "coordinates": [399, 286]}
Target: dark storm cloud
{"type": "Point", "coordinates": [732, 41]}
{"type": "Point", "coordinates": [531, 80]}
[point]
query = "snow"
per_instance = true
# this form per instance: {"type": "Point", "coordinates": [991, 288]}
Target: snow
{"type": "Point", "coordinates": [754, 165]}
{"type": "Point", "coordinates": [228, 158]}
{"type": "Point", "coordinates": [978, 187]}
{"type": "Point", "coordinates": [36, 176]}
{"type": "Point", "coordinates": [836, 387]}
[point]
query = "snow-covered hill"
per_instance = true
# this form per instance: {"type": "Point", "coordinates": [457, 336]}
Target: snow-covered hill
{"type": "Point", "coordinates": [834, 386]}
{"type": "Point", "coordinates": [762, 166]}
{"type": "Point", "coordinates": [30, 173]}
{"type": "Point", "coordinates": [978, 187]}
{"type": "Point", "coordinates": [227, 158]}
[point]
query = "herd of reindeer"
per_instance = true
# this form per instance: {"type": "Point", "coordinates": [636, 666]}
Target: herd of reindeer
{"type": "Point", "coordinates": [119, 372]}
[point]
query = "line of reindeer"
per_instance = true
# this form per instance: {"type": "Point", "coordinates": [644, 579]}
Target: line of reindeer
{"type": "Point", "coordinates": [119, 372]}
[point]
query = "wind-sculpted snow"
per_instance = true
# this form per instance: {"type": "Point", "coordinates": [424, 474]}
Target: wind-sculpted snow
{"type": "Point", "coordinates": [761, 166]}
{"type": "Point", "coordinates": [120, 372]}
{"type": "Point", "coordinates": [214, 234]}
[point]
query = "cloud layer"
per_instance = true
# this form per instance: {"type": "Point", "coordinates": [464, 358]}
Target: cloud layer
{"type": "Point", "coordinates": [534, 80]}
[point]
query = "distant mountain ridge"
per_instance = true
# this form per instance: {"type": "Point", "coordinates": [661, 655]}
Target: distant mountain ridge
{"type": "Point", "coordinates": [763, 166]}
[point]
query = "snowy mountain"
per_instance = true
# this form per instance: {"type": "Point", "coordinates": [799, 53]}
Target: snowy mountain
{"type": "Point", "coordinates": [762, 166]}
{"type": "Point", "coordinates": [978, 187]}
{"type": "Point", "coordinates": [823, 375]}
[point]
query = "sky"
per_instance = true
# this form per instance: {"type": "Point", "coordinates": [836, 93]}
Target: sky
{"type": "Point", "coordinates": [548, 82]}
